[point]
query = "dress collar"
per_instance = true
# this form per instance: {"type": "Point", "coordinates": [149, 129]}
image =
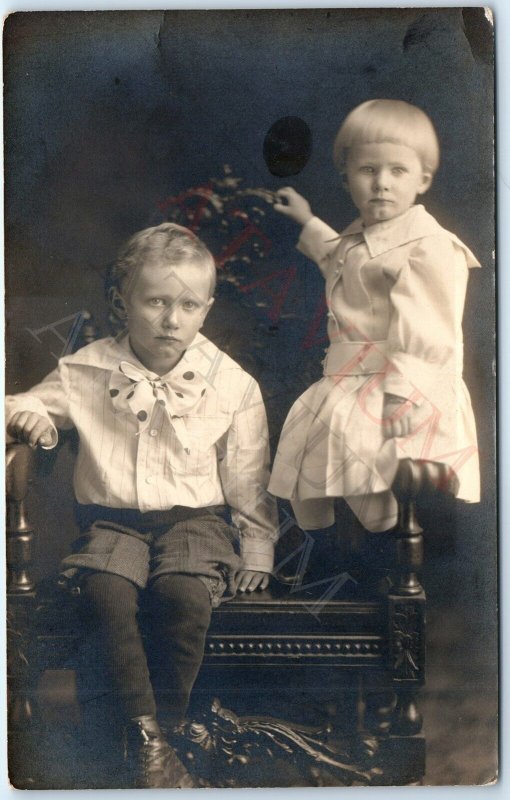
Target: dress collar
{"type": "Point", "coordinates": [415, 223]}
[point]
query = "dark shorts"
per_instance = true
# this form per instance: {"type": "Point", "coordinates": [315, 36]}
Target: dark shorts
{"type": "Point", "coordinates": [142, 546]}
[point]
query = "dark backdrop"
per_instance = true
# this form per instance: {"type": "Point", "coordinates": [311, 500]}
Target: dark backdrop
{"type": "Point", "coordinates": [110, 115]}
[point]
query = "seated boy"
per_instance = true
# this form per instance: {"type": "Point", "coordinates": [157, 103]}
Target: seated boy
{"type": "Point", "coordinates": [171, 431]}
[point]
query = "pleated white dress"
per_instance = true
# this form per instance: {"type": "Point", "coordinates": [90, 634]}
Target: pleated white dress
{"type": "Point", "coordinates": [395, 293]}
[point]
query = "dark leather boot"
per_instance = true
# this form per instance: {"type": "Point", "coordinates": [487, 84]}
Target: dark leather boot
{"type": "Point", "coordinates": [153, 762]}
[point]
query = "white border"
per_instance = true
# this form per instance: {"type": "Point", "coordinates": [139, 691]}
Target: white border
{"type": "Point", "coordinates": [501, 9]}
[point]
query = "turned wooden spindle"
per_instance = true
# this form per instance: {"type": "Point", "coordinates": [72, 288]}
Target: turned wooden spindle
{"type": "Point", "coordinates": [407, 718]}
{"type": "Point", "coordinates": [407, 598]}
{"type": "Point", "coordinates": [88, 332]}
{"type": "Point", "coordinates": [409, 533]}
{"type": "Point", "coordinates": [19, 464]}
{"type": "Point", "coordinates": [412, 479]}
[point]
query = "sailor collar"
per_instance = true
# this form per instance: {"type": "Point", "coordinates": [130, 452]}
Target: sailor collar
{"type": "Point", "coordinates": [414, 224]}
{"type": "Point", "coordinates": [109, 352]}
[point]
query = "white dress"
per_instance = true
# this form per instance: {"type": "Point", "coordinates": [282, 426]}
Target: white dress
{"type": "Point", "coordinates": [395, 293]}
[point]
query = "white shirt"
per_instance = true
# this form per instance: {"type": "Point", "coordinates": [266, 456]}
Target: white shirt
{"type": "Point", "coordinates": [124, 464]}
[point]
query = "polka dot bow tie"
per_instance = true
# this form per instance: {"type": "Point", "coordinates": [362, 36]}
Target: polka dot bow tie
{"type": "Point", "coordinates": [138, 392]}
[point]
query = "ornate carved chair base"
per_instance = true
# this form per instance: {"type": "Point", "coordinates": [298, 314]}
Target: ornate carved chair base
{"type": "Point", "coordinates": [226, 750]}
{"type": "Point", "coordinates": [222, 750]}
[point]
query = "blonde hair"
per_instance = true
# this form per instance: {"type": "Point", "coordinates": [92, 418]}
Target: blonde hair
{"type": "Point", "coordinates": [169, 242]}
{"type": "Point", "coordinates": [395, 121]}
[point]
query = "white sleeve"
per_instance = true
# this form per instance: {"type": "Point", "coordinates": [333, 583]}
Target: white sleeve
{"type": "Point", "coordinates": [318, 241]}
{"type": "Point", "coordinates": [48, 398]}
{"type": "Point", "coordinates": [425, 332]}
{"type": "Point", "coordinates": [244, 472]}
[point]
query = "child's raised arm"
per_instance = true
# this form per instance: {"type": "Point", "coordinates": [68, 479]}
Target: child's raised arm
{"type": "Point", "coordinates": [292, 204]}
{"type": "Point", "coordinates": [317, 240]}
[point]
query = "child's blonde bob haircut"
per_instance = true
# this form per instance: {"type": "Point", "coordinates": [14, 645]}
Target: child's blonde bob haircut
{"type": "Point", "coordinates": [394, 121]}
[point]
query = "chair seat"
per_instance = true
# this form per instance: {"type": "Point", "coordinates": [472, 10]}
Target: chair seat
{"type": "Point", "coordinates": [280, 625]}
{"type": "Point", "coordinates": [269, 628]}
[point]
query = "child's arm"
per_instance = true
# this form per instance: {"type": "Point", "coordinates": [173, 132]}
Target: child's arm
{"type": "Point", "coordinates": [317, 240]}
{"type": "Point", "coordinates": [34, 416]}
{"type": "Point", "coordinates": [425, 334]}
{"type": "Point", "coordinates": [244, 473]}
{"type": "Point", "coordinates": [293, 205]}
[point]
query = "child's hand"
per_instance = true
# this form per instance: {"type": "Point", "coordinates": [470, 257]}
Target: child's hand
{"type": "Point", "coordinates": [247, 580]}
{"type": "Point", "coordinates": [401, 417]}
{"type": "Point", "coordinates": [30, 427]}
{"type": "Point", "coordinates": [293, 205]}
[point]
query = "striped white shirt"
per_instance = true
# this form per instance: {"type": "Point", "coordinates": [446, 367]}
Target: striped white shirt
{"type": "Point", "coordinates": [124, 464]}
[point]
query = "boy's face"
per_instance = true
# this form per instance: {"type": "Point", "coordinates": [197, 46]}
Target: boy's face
{"type": "Point", "coordinates": [384, 179]}
{"type": "Point", "coordinates": [166, 306]}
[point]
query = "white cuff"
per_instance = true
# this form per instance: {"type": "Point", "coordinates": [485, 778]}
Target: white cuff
{"type": "Point", "coordinates": [317, 239]}
{"type": "Point", "coordinates": [414, 378]}
{"type": "Point", "coordinates": [257, 554]}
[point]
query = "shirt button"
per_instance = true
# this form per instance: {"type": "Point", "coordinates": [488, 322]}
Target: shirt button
{"type": "Point", "coordinates": [149, 479]}
{"type": "Point", "coordinates": [153, 432]}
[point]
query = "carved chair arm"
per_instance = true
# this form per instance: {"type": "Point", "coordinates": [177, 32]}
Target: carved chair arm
{"type": "Point", "coordinates": [418, 476]}
{"type": "Point", "coordinates": [22, 463]}
{"type": "Point", "coordinates": [414, 478]}
{"type": "Point", "coordinates": [19, 467]}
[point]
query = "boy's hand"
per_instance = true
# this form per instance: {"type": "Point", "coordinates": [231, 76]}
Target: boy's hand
{"type": "Point", "coordinates": [30, 427]}
{"type": "Point", "coordinates": [293, 205]}
{"type": "Point", "coordinates": [247, 580]}
{"type": "Point", "coordinates": [400, 416]}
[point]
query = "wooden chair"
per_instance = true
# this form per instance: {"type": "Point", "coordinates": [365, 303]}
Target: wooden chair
{"type": "Point", "coordinates": [364, 650]}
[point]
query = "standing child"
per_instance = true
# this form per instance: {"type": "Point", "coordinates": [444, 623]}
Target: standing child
{"type": "Point", "coordinates": [171, 431]}
{"type": "Point", "coordinates": [395, 290]}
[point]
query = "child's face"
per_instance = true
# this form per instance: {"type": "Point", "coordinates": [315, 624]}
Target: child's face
{"type": "Point", "coordinates": [166, 306]}
{"type": "Point", "coordinates": [384, 179]}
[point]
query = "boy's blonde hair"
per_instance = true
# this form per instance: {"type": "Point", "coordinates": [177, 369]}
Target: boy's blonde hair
{"type": "Point", "coordinates": [388, 121]}
{"type": "Point", "coordinates": [169, 243]}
